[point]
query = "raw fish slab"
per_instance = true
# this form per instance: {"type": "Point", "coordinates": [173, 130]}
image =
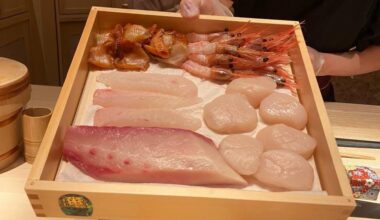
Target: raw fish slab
{"type": "Point", "coordinates": [157, 155]}
{"type": "Point", "coordinates": [206, 90]}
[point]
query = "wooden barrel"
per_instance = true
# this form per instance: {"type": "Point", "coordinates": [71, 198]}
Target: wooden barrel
{"type": "Point", "coordinates": [14, 94]}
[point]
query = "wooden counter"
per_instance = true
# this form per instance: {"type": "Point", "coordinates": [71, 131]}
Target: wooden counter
{"type": "Point", "coordinates": [353, 121]}
{"type": "Point", "coordinates": [349, 121]}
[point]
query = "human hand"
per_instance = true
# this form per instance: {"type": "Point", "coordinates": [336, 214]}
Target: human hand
{"type": "Point", "coordinates": [193, 8]}
{"type": "Point", "coordinates": [317, 60]}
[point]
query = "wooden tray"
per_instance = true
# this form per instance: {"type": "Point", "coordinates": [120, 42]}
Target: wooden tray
{"type": "Point", "coordinates": [161, 201]}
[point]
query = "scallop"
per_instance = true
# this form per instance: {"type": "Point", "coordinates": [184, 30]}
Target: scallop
{"type": "Point", "coordinates": [230, 113]}
{"type": "Point", "coordinates": [285, 169]}
{"type": "Point", "coordinates": [255, 89]}
{"type": "Point", "coordinates": [282, 108]}
{"type": "Point", "coordinates": [280, 136]}
{"type": "Point", "coordinates": [242, 153]}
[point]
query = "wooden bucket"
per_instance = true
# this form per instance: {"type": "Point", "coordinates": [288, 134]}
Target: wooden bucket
{"type": "Point", "coordinates": [14, 94]}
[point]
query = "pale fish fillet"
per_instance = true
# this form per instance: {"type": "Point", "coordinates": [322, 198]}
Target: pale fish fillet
{"type": "Point", "coordinates": [148, 155]}
{"type": "Point", "coordinates": [230, 113]}
{"type": "Point", "coordinates": [255, 89]}
{"type": "Point", "coordinates": [282, 108]}
{"type": "Point", "coordinates": [141, 99]}
{"type": "Point", "coordinates": [285, 169]}
{"type": "Point", "coordinates": [163, 118]}
{"type": "Point", "coordinates": [242, 153]}
{"type": "Point", "coordinates": [148, 82]}
{"type": "Point", "coordinates": [280, 136]}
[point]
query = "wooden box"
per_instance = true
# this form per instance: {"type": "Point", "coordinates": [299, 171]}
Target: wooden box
{"type": "Point", "coordinates": [168, 202]}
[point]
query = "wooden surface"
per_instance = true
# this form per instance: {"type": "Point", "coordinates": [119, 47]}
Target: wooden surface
{"type": "Point", "coordinates": [81, 7]}
{"type": "Point", "coordinates": [345, 117]}
{"type": "Point", "coordinates": [48, 36]}
{"type": "Point", "coordinates": [19, 37]}
{"type": "Point", "coordinates": [12, 7]}
{"type": "Point", "coordinates": [14, 203]}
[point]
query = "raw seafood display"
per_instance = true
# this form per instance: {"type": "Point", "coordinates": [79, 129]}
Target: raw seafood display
{"type": "Point", "coordinates": [163, 118]}
{"type": "Point", "coordinates": [280, 136]}
{"type": "Point", "coordinates": [239, 53]}
{"type": "Point", "coordinates": [144, 123]}
{"type": "Point", "coordinates": [231, 113]}
{"type": "Point", "coordinates": [282, 108]}
{"type": "Point", "coordinates": [141, 99]}
{"type": "Point", "coordinates": [159, 83]}
{"type": "Point", "coordinates": [148, 155]}
{"type": "Point", "coordinates": [243, 37]}
{"type": "Point", "coordinates": [242, 153]}
{"type": "Point", "coordinates": [255, 89]}
{"type": "Point", "coordinates": [224, 55]}
{"type": "Point", "coordinates": [285, 169]}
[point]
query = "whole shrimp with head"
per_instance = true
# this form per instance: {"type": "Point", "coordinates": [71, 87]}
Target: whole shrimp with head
{"type": "Point", "coordinates": [231, 54]}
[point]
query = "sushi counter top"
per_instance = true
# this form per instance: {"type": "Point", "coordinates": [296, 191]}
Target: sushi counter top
{"type": "Point", "coordinates": [349, 121]}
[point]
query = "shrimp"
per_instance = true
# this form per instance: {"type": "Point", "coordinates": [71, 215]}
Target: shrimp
{"type": "Point", "coordinates": [205, 60]}
{"type": "Point", "coordinates": [277, 70]}
{"type": "Point", "coordinates": [205, 72]}
{"type": "Point", "coordinates": [235, 37]}
{"type": "Point", "coordinates": [194, 37]}
{"type": "Point", "coordinates": [281, 81]}
{"type": "Point", "coordinates": [240, 63]}
{"type": "Point", "coordinates": [223, 74]}
{"type": "Point", "coordinates": [278, 42]}
{"type": "Point", "coordinates": [209, 48]}
{"type": "Point", "coordinates": [202, 47]}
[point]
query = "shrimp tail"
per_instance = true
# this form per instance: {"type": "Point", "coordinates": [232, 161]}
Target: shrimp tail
{"type": "Point", "coordinates": [282, 41]}
{"type": "Point", "coordinates": [281, 81]}
{"type": "Point", "coordinates": [196, 69]}
{"type": "Point", "coordinates": [281, 72]}
{"type": "Point", "coordinates": [202, 59]}
{"type": "Point", "coordinates": [202, 47]}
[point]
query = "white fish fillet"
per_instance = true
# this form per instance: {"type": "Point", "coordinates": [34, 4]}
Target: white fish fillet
{"type": "Point", "coordinates": [242, 153]}
{"type": "Point", "coordinates": [141, 99]}
{"type": "Point", "coordinates": [230, 113]}
{"type": "Point", "coordinates": [165, 84]}
{"type": "Point", "coordinates": [255, 89]}
{"type": "Point", "coordinates": [280, 136]}
{"type": "Point", "coordinates": [285, 169]}
{"type": "Point", "coordinates": [280, 108]}
{"type": "Point", "coordinates": [162, 118]}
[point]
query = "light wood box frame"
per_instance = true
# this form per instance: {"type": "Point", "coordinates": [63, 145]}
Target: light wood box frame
{"type": "Point", "coordinates": [160, 201]}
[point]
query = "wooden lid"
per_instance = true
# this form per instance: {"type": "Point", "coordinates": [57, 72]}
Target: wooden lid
{"type": "Point", "coordinates": [14, 77]}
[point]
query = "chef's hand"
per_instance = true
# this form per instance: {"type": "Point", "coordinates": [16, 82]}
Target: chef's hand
{"type": "Point", "coordinates": [317, 59]}
{"type": "Point", "coordinates": [347, 63]}
{"type": "Point", "coordinates": [193, 8]}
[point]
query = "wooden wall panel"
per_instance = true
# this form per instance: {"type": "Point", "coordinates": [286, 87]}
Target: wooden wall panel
{"type": "Point", "coordinates": [12, 7]}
